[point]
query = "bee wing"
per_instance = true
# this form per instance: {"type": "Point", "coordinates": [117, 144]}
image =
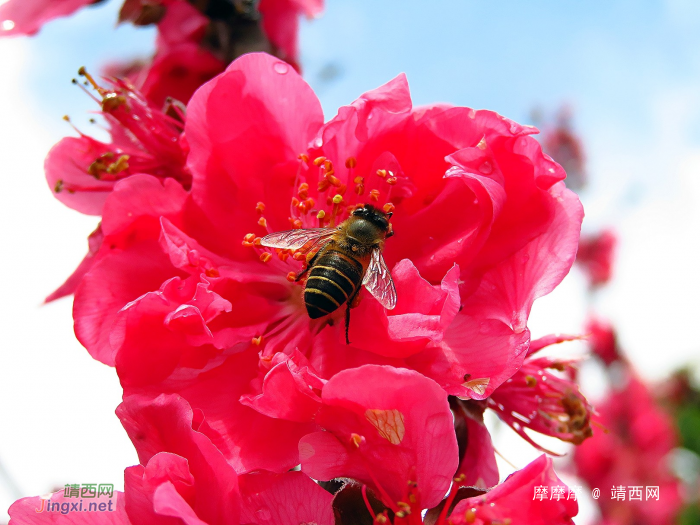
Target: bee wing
{"type": "Point", "coordinates": [379, 282]}
{"type": "Point", "coordinates": [296, 239]}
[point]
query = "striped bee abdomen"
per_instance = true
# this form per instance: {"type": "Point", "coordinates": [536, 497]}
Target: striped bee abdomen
{"type": "Point", "coordinates": [333, 279]}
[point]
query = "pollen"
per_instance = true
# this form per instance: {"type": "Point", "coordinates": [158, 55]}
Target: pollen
{"type": "Point", "coordinates": [303, 190]}
{"type": "Point", "coordinates": [328, 165]}
{"type": "Point", "coordinates": [360, 189]}
{"type": "Point", "coordinates": [260, 207]}
{"type": "Point", "coordinates": [381, 174]}
{"type": "Point", "coordinates": [292, 276]}
{"type": "Point", "coordinates": [356, 439]}
{"type": "Point", "coordinates": [350, 163]}
{"type": "Point", "coordinates": [337, 199]}
{"type": "Point", "coordinates": [388, 208]}
{"type": "Point", "coordinates": [321, 215]}
{"type": "Point", "coordinates": [323, 185]}
{"type": "Point", "coordinates": [304, 158]}
{"type": "Point", "coordinates": [374, 195]}
{"type": "Point", "coordinates": [299, 256]}
{"type": "Point", "coordinates": [319, 160]}
{"type": "Point", "coordinates": [257, 340]}
{"type": "Point", "coordinates": [257, 241]}
{"type": "Point", "coordinates": [265, 257]}
{"type": "Point", "coordinates": [391, 181]}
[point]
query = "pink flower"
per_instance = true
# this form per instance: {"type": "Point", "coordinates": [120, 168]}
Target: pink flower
{"type": "Point", "coordinates": [603, 340]}
{"type": "Point", "coordinates": [82, 171]}
{"type": "Point", "coordinates": [245, 130]}
{"type": "Point", "coordinates": [25, 17]}
{"type": "Point", "coordinates": [183, 476]}
{"type": "Point", "coordinates": [514, 502]}
{"type": "Point", "coordinates": [543, 396]}
{"type": "Point", "coordinates": [280, 22]}
{"type": "Point", "coordinates": [567, 149]}
{"type": "Point", "coordinates": [596, 254]}
{"type": "Point", "coordinates": [633, 452]}
{"type": "Point", "coordinates": [390, 429]}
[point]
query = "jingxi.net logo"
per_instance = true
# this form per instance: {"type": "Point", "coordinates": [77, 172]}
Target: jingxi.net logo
{"type": "Point", "coordinates": [88, 497]}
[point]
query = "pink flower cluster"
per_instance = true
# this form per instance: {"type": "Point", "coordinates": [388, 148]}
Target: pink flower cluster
{"type": "Point", "coordinates": [229, 386]}
{"type": "Point", "coordinates": [196, 38]}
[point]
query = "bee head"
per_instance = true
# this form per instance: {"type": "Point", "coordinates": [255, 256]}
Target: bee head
{"type": "Point", "coordinates": [373, 215]}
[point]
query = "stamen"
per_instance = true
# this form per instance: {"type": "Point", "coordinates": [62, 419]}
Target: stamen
{"type": "Point", "coordinates": [381, 174]}
{"type": "Point", "coordinates": [257, 340]}
{"type": "Point", "coordinates": [350, 162]}
{"type": "Point", "coordinates": [304, 158]}
{"type": "Point", "coordinates": [374, 195]}
{"type": "Point", "coordinates": [323, 185]}
{"type": "Point", "coordinates": [320, 216]}
{"type": "Point", "coordinates": [299, 256]}
{"type": "Point", "coordinates": [292, 276]}
{"type": "Point", "coordinates": [328, 165]}
{"type": "Point", "coordinates": [391, 181]}
{"type": "Point", "coordinates": [260, 207]}
{"type": "Point", "coordinates": [257, 241]}
{"type": "Point", "coordinates": [319, 160]}
{"type": "Point", "coordinates": [388, 208]}
{"type": "Point", "coordinates": [303, 190]}
{"type": "Point", "coordinates": [265, 257]}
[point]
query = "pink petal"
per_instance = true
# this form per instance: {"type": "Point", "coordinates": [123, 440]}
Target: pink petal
{"type": "Point", "coordinates": [405, 427]}
{"type": "Point", "coordinates": [27, 17]}
{"type": "Point", "coordinates": [291, 498]}
{"type": "Point", "coordinates": [513, 500]}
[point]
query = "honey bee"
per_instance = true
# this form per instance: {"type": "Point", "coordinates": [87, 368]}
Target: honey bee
{"type": "Point", "coordinates": [340, 260]}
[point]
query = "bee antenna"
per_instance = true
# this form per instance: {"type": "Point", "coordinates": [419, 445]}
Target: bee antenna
{"type": "Point", "coordinates": [390, 214]}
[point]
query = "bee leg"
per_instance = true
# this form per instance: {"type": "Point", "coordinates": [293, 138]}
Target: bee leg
{"type": "Point", "coordinates": [347, 323]}
{"type": "Point", "coordinates": [352, 303]}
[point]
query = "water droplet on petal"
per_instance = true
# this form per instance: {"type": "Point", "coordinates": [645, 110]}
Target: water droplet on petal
{"type": "Point", "coordinates": [264, 514]}
{"type": "Point", "coordinates": [486, 167]}
{"type": "Point", "coordinates": [8, 25]}
{"type": "Point", "coordinates": [281, 68]}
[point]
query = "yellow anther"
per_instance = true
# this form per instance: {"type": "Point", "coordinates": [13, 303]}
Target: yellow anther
{"type": "Point", "coordinates": [350, 163]}
{"type": "Point", "coordinates": [257, 241]}
{"type": "Point", "coordinates": [303, 190]}
{"type": "Point", "coordinates": [295, 202]}
{"type": "Point", "coordinates": [335, 181]}
{"type": "Point", "coordinates": [309, 203]}
{"type": "Point", "coordinates": [341, 189]}
{"type": "Point", "coordinates": [257, 340]}
{"type": "Point", "coordinates": [297, 224]}
{"type": "Point", "coordinates": [356, 439]}
{"type": "Point", "coordinates": [381, 519]}
{"type": "Point", "coordinates": [262, 221]}
{"type": "Point", "coordinates": [304, 158]}
{"type": "Point", "coordinates": [299, 256]}
{"type": "Point", "coordinates": [323, 185]}
{"type": "Point", "coordinates": [391, 181]}
{"type": "Point", "coordinates": [374, 195]}
{"type": "Point", "coordinates": [381, 174]}
{"type": "Point", "coordinates": [292, 276]}
{"type": "Point", "coordinates": [321, 214]}
{"type": "Point", "coordinates": [388, 208]}
{"type": "Point", "coordinates": [58, 187]}
{"type": "Point", "coordinates": [530, 381]}
{"type": "Point", "coordinates": [265, 256]}
{"type": "Point", "coordinates": [460, 478]}
{"type": "Point", "coordinates": [283, 255]}
{"type": "Point", "coordinates": [319, 160]}
{"type": "Point", "coordinates": [328, 165]}
{"type": "Point", "coordinates": [359, 180]}
{"type": "Point", "coordinates": [260, 207]}
{"type": "Point", "coordinates": [360, 189]}
{"type": "Point", "coordinates": [470, 515]}
{"type": "Point", "coordinates": [337, 199]}
{"type": "Point", "coordinates": [249, 237]}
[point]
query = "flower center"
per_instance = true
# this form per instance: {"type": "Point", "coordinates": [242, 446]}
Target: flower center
{"type": "Point", "coordinates": [325, 205]}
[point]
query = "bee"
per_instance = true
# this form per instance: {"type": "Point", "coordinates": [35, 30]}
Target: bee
{"type": "Point", "coordinates": [340, 260]}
